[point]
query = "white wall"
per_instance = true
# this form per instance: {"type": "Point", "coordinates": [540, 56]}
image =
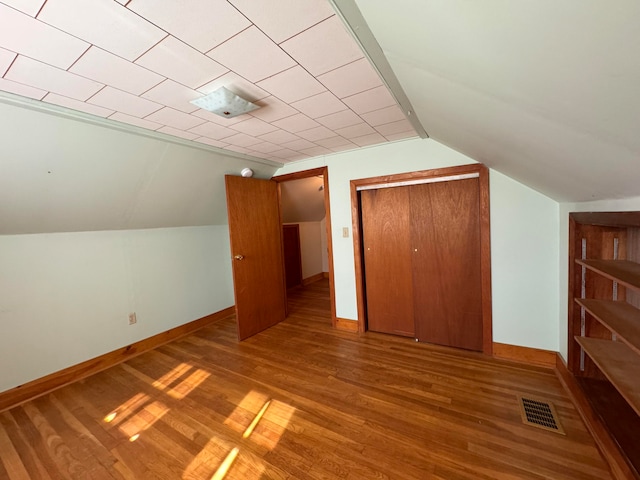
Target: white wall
{"type": "Point", "coordinates": [524, 259]}
{"type": "Point", "coordinates": [619, 205]}
{"type": "Point", "coordinates": [66, 297]}
{"type": "Point", "coordinates": [311, 248]}
{"type": "Point", "coordinates": [524, 233]}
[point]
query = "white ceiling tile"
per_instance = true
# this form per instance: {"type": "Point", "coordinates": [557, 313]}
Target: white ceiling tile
{"type": "Point", "coordinates": [182, 63]}
{"type": "Point", "coordinates": [124, 102]}
{"type": "Point", "coordinates": [178, 133]}
{"type": "Point", "coordinates": [342, 148]}
{"type": "Point", "coordinates": [77, 105]}
{"type": "Point", "coordinates": [273, 109]}
{"type": "Point", "coordinates": [43, 76]}
{"type": "Point", "coordinates": [107, 68]}
{"type": "Point", "coordinates": [299, 144]}
{"type": "Point", "coordinates": [254, 127]}
{"type": "Point", "coordinates": [316, 151]}
{"type": "Point", "coordinates": [341, 119]}
{"type": "Point", "coordinates": [265, 147]}
{"type": "Point", "coordinates": [279, 137]}
{"type": "Point", "coordinates": [239, 149]}
{"type": "Point", "coordinates": [281, 19]}
{"type": "Point", "coordinates": [320, 105]}
{"type": "Point", "coordinates": [173, 95]}
{"type": "Point", "coordinates": [284, 153]}
{"type": "Point", "coordinates": [203, 24]}
{"type": "Point", "coordinates": [371, 100]}
{"type": "Point", "coordinates": [104, 23]}
{"type": "Point", "coordinates": [366, 140]}
{"type": "Point", "coordinates": [297, 157]}
{"type": "Point", "coordinates": [333, 142]}
{"type": "Point", "coordinates": [30, 7]}
{"type": "Point", "coordinates": [252, 54]}
{"type": "Point", "coordinates": [351, 79]}
{"type": "Point", "coordinates": [242, 140]}
{"type": "Point", "coordinates": [395, 127]}
{"type": "Point", "coordinates": [25, 35]}
{"type": "Point", "coordinates": [236, 84]}
{"type": "Point", "coordinates": [6, 58]}
{"type": "Point", "coordinates": [317, 133]}
{"type": "Point", "coordinates": [225, 122]}
{"type": "Point", "coordinates": [138, 122]}
{"type": "Point", "coordinates": [212, 130]}
{"type": "Point", "coordinates": [401, 135]}
{"type": "Point", "coordinates": [323, 47]}
{"type": "Point", "coordinates": [175, 118]}
{"type": "Point", "coordinates": [355, 131]}
{"type": "Point", "coordinates": [384, 115]}
{"type": "Point", "coordinates": [296, 123]}
{"type": "Point", "coordinates": [293, 84]}
{"type": "Point", "coordinates": [210, 141]}
{"type": "Point", "coordinates": [21, 89]}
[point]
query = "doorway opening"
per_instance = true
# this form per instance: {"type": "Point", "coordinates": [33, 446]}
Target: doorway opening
{"type": "Point", "coordinates": [306, 222]}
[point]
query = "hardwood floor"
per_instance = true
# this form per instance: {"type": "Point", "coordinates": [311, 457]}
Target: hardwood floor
{"type": "Point", "coordinates": [341, 405]}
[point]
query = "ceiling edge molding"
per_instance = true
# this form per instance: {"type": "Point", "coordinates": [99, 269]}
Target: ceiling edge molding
{"type": "Point", "coordinates": [355, 23]}
{"type": "Point", "coordinates": [50, 109]}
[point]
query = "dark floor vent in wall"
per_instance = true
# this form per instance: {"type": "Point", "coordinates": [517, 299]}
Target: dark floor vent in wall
{"type": "Point", "coordinates": [540, 413]}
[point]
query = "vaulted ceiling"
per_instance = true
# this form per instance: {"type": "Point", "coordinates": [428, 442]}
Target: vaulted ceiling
{"type": "Point", "coordinates": [547, 92]}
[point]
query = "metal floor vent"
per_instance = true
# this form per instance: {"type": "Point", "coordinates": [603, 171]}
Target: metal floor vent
{"type": "Point", "coordinates": [540, 413]}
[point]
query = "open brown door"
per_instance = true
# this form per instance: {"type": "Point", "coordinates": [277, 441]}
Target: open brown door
{"type": "Point", "coordinates": [256, 249]}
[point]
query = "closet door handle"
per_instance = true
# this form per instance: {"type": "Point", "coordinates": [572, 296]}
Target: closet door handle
{"type": "Point", "coordinates": [238, 257]}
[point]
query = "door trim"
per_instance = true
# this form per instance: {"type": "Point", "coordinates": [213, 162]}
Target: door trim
{"type": "Point", "coordinates": [428, 176]}
{"type": "Point", "coordinates": [314, 172]}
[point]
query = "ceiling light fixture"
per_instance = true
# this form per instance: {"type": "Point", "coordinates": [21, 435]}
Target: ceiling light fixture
{"type": "Point", "coordinates": [225, 103]}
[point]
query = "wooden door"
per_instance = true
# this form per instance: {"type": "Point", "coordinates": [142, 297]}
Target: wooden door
{"type": "Point", "coordinates": [292, 255]}
{"type": "Point", "coordinates": [386, 239]}
{"type": "Point", "coordinates": [256, 249]}
{"type": "Point", "coordinates": [447, 282]}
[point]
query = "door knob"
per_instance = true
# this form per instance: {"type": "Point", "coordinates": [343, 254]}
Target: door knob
{"type": "Point", "coordinates": [238, 257]}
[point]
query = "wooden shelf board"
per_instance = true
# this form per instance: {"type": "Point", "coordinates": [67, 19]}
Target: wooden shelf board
{"type": "Point", "coordinates": [619, 317]}
{"type": "Point", "coordinates": [608, 219]}
{"type": "Point", "coordinates": [619, 364]}
{"type": "Point", "coordinates": [625, 272]}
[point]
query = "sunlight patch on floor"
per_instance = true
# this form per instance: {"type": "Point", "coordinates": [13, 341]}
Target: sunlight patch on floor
{"type": "Point", "coordinates": [246, 411]}
{"type": "Point", "coordinates": [273, 425]}
{"type": "Point", "coordinates": [189, 384]}
{"type": "Point", "coordinates": [144, 419]}
{"type": "Point", "coordinates": [207, 462]}
{"type": "Point", "coordinates": [166, 380]}
{"type": "Point", "coordinates": [127, 409]}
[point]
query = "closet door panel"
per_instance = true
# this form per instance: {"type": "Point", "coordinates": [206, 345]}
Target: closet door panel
{"type": "Point", "coordinates": [447, 287]}
{"type": "Point", "coordinates": [386, 239]}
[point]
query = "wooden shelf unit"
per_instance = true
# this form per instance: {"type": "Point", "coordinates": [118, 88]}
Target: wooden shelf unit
{"type": "Point", "coordinates": [620, 318]}
{"type": "Point", "coordinates": [604, 320]}
{"type": "Point", "coordinates": [620, 365]}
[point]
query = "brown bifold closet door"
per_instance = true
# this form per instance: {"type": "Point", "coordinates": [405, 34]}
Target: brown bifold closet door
{"type": "Point", "coordinates": [386, 240]}
{"type": "Point", "coordinates": [447, 282]}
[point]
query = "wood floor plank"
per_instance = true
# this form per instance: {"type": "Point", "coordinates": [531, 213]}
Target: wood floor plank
{"type": "Point", "coordinates": [338, 405]}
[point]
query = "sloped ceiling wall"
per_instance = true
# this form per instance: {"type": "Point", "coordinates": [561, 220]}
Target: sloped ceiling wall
{"type": "Point", "coordinates": [302, 200]}
{"type": "Point", "coordinates": [546, 92]}
{"type": "Point", "coordinates": [60, 173]}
